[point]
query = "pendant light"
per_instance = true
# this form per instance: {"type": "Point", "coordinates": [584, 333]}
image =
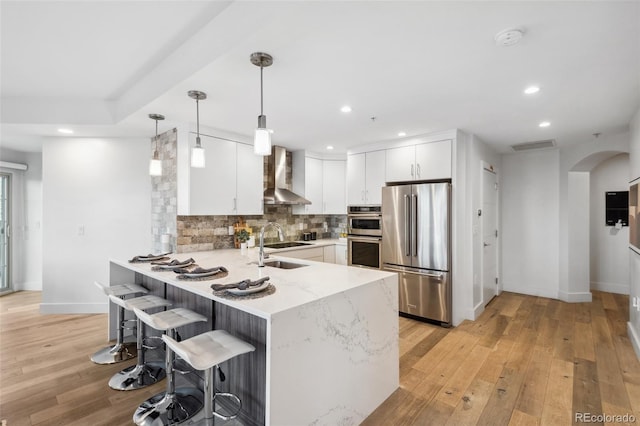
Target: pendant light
{"type": "Point", "coordinates": [197, 152]}
{"type": "Point", "coordinates": [155, 165]}
{"type": "Point", "coordinates": [262, 140]}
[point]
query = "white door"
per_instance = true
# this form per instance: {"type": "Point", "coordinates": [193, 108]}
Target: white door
{"type": "Point", "coordinates": [250, 178]}
{"type": "Point", "coordinates": [333, 187]}
{"type": "Point", "coordinates": [356, 179]}
{"type": "Point", "coordinates": [313, 185]}
{"type": "Point", "coordinates": [5, 258]}
{"type": "Point", "coordinates": [433, 160]}
{"type": "Point", "coordinates": [489, 232]}
{"type": "Point", "coordinates": [213, 188]}
{"type": "Point", "coordinates": [401, 164]}
{"type": "Point", "coordinates": [375, 175]}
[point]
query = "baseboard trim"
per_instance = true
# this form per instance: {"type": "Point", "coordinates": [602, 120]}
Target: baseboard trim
{"type": "Point", "coordinates": [478, 310]}
{"type": "Point", "coordinates": [634, 336]}
{"type": "Point", "coordinates": [74, 308]}
{"type": "Point", "coordinates": [610, 287]}
{"type": "Point", "coordinates": [29, 286]}
{"type": "Point", "coordinates": [531, 291]}
{"type": "Point", "coordinates": [578, 297]}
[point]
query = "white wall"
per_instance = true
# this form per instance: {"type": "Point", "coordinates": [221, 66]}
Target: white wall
{"type": "Point", "coordinates": [609, 246]}
{"type": "Point", "coordinates": [99, 188]}
{"type": "Point", "coordinates": [530, 223]}
{"type": "Point", "coordinates": [26, 218]}
{"type": "Point", "coordinates": [633, 326]}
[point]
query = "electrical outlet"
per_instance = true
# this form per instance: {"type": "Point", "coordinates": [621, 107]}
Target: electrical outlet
{"type": "Point", "coordinates": [636, 303]}
{"type": "Point", "coordinates": [80, 230]}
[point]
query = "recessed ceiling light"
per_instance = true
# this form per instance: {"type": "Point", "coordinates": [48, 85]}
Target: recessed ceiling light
{"type": "Point", "coordinates": [544, 124]}
{"type": "Point", "coordinates": [329, 147]}
{"type": "Point", "coordinates": [531, 90]}
{"type": "Point", "coordinates": [345, 108]}
{"type": "Point", "coordinates": [401, 134]}
{"type": "Point", "coordinates": [66, 131]}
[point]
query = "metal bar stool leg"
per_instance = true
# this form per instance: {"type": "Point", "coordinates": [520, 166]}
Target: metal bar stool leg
{"type": "Point", "coordinates": [121, 351]}
{"type": "Point", "coordinates": [143, 373]}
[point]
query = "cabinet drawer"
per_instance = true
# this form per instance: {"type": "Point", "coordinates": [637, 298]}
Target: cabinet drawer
{"type": "Point", "coordinates": [315, 253]}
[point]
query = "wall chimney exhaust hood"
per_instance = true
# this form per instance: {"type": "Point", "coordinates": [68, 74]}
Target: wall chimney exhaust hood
{"type": "Point", "coordinates": [278, 192]}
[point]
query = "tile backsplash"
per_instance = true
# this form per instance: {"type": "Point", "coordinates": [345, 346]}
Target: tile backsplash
{"type": "Point", "coordinates": [201, 233]}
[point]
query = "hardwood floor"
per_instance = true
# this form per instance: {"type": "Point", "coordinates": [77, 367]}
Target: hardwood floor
{"type": "Point", "coordinates": [526, 360]}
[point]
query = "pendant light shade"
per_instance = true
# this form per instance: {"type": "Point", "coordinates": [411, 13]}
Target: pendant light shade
{"type": "Point", "coordinates": [155, 165]}
{"type": "Point", "coordinates": [197, 152]}
{"type": "Point", "coordinates": [262, 139]}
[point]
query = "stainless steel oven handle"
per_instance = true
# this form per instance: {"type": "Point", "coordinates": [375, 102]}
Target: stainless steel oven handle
{"type": "Point", "coordinates": [360, 238]}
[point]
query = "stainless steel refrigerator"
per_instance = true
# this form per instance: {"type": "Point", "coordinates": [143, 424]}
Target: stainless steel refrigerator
{"type": "Point", "coordinates": [416, 235]}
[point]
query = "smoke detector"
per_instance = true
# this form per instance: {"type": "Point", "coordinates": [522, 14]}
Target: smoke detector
{"type": "Point", "coordinates": [509, 36]}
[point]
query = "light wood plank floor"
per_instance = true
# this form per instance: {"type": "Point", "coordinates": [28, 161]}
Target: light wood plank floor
{"type": "Point", "coordinates": [526, 360]}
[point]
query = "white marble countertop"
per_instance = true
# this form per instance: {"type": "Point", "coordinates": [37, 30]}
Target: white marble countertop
{"type": "Point", "coordinates": [294, 287]}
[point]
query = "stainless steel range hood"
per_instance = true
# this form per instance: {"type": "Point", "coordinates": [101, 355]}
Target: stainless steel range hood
{"type": "Point", "coordinates": [278, 193]}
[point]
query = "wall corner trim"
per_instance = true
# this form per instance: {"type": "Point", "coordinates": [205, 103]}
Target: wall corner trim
{"type": "Point", "coordinates": [634, 336]}
{"type": "Point", "coordinates": [577, 297]}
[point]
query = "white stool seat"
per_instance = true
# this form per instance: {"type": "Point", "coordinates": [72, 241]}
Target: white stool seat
{"type": "Point", "coordinates": [171, 319]}
{"type": "Point", "coordinates": [209, 349]}
{"type": "Point", "coordinates": [142, 302]}
{"type": "Point", "coordinates": [120, 290]}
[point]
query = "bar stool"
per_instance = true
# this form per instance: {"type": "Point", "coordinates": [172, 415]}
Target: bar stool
{"type": "Point", "coordinates": [122, 350]}
{"type": "Point", "coordinates": [143, 373]}
{"type": "Point", "coordinates": [173, 405]}
{"type": "Point", "coordinates": [206, 352]}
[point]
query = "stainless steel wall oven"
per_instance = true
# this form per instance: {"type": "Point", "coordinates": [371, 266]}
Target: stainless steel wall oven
{"type": "Point", "coordinates": [364, 241]}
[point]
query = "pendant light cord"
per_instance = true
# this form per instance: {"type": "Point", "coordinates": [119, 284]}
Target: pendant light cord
{"type": "Point", "coordinates": [198, 122]}
{"type": "Point", "coordinates": [261, 90]}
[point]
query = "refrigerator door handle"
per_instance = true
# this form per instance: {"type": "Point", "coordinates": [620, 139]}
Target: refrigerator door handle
{"type": "Point", "coordinates": [414, 224]}
{"type": "Point", "coordinates": [407, 225]}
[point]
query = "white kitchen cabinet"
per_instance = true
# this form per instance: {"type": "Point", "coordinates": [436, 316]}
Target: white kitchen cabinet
{"type": "Point", "coordinates": [365, 178]}
{"type": "Point", "coordinates": [329, 254]}
{"type": "Point", "coordinates": [433, 160]}
{"type": "Point", "coordinates": [314, 253]}
{"type": "Point", "coordinates": [320, 181]}
{"type": "Point", "coordinates": [307, 182]}
{"type": "Point", "coordinates": [249, 181]}
{"type": "Point", "coordinates": [426, 161]}
{"type": "Point", "coordinates": [341, 254]}
{"type": "Point", "coordinates": [333, 188]}
{"type": "Point", "coordinates": [231, 181]}
{"type": "Point", "coordinates": [212, 189]}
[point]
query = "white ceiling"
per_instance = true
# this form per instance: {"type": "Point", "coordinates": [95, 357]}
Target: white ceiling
{"type": "Point", "coordinates": [100, 67]}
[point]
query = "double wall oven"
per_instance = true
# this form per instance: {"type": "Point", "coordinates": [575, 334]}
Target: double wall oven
{"type": "Point", "coordinates": [364, 239]}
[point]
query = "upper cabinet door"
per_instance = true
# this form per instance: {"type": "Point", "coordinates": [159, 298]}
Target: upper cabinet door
{"type": "Point", "coordinates": [333, 189]}
{"type": "Point", "coordinates": [433, 160]}
{"type": "Point", "coordinates": [356, 172]}
{"type": "Point", "coordinates": [401, 164]}
{"type": "Point", "coordinates": [212, 189]}
{"type": "Point", "coordinates": [250, 176]}
{"type": "Point", "coordinates": [313, 185]}
{"type": "Point", "coordinates": [375, 176]}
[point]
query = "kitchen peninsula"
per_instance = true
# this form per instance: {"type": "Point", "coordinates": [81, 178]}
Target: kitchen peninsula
{"type": "Point", "coordinates": [326, 340]}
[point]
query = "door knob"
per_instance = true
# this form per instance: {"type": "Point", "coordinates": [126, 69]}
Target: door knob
{"type": "Point", "coordinates": [486, 244]}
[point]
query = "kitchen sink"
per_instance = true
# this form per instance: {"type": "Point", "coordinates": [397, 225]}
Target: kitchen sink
{"type": "Point", "coordinates": [286, 244]}
{"type": "Point", "coordinates": [283, 264]}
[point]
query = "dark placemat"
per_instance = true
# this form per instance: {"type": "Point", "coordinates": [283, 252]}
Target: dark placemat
{"type": "Point", "coordinates": [220, 274]}
{"type": "Point", "coordinates": [138, 260]}
{"type": "Point", "coordinates": [226, 295]}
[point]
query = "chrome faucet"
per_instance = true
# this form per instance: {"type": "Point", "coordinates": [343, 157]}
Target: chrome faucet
{"type": "Point", "coordinates": [261, 255]}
